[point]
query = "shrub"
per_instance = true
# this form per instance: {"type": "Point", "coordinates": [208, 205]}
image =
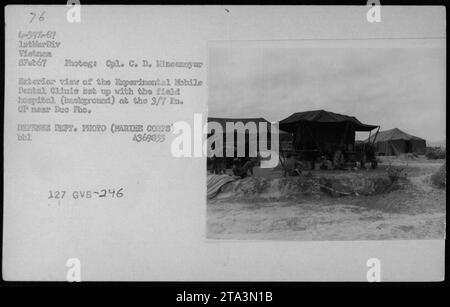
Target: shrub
{"type": "Point", "coordinates": [435, 153]}
{"type": "Point", "coordinates": [439, 178]}
{"type": "Point", "coordinates": [396, 173]}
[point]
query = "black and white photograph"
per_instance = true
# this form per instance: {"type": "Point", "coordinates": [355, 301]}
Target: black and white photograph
{"type": "Point", "coordinates": [177, 147]}
{"type": "Point", "coordinates": [361, 143]}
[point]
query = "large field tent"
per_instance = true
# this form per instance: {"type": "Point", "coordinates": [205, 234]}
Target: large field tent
{"type": "Point", "coordinates": [395, 142]}
{"type": "Point", "coordinates": [322, 130]}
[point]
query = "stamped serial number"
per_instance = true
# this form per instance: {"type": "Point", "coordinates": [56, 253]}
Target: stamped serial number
{"type": "Point", "coordinates": [86, 194]}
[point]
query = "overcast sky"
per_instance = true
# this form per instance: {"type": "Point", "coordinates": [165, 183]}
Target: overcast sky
{"type": "Point", "coordinates": [403, 88]}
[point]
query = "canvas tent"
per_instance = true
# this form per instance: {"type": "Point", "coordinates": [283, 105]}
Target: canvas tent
{"type": "Point", "coordinates": [227, 136]}
{"type": "Point", "coordinates": [323, 131]}
{"type": "Point", "coordinates": [395, 142]}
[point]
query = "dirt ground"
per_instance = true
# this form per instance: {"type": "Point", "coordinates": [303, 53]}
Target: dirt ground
{"type": "Point", "coordinates": [415, 210]}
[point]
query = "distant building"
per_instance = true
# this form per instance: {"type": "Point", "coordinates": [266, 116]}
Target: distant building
{"type": "Point", "coordinates": [237, 135]}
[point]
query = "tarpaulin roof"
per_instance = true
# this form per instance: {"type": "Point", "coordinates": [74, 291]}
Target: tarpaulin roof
{"type": "Point", "coordinates": [322, 116]}
{"type": "Point", "coordinates": [394, 134]}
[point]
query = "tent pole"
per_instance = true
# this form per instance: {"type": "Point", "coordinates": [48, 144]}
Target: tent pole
{"type": "Point", "coordinates": [376, 134]}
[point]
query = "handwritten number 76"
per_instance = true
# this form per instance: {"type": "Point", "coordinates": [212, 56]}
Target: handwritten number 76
{"type": "Point", "coordinates": [34, 15]}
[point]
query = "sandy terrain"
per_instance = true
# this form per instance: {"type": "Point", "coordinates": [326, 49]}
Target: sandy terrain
{"type": "Point", "coordinates": [416, 210]}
